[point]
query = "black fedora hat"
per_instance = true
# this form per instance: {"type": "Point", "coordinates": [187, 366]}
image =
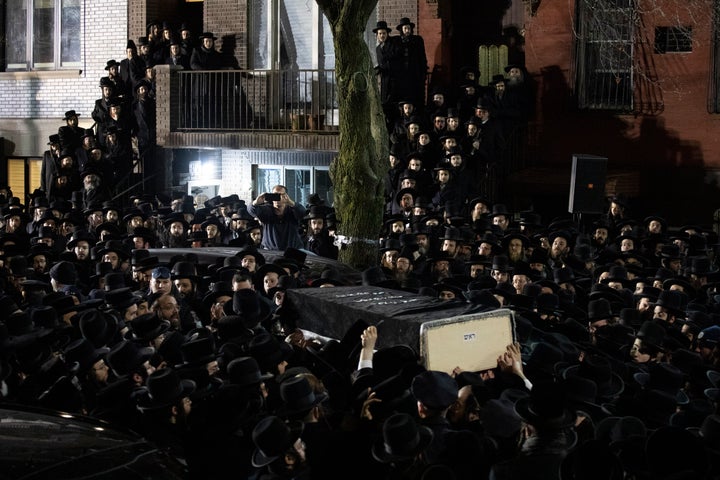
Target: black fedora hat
{"type": "Point", "coordinates": [84, 353]}
{"type": "Point", "coordinates": [148, 326]}
{"type": "Point", "coordinates": [272, 437]}
{"type": "Point", "coordinates": [268, 351]}
{"type": "Point", "coordinates": [125, 357]}
{"type": "Point", "coordinates": [207, 35]}
{"type": "Point", "coordinates": [117, 246]}
{"type": "Point", "coordinates": [184, 269]}
{"type": "Point", "coordinates": [164, 388]}
{"type": "Point", "coordinates": [404, 21]}
{"type": "Point", "coordinates": [97, 327]}
{"type": "Point", "coordinates": [382, 25]}
{"type": "Point", "coordinates": [546, 408]}
{"type": "Point", "coordinates": [402, 439]}
{"type": "Point", "coordinates": [298, 396]}
{"type": "Point", "coordinates": [196, 352]}
{"type": "Point", "coordinates": [121, 298]}
{"type": "Point", "coordinates": [245, 372]}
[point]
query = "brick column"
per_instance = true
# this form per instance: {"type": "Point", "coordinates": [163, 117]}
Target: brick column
{"type": "Point", "coordinates": [163, 103]}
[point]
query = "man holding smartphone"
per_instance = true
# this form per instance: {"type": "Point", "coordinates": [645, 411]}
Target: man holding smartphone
{"type": "Point", "coordinates": [281, 219]}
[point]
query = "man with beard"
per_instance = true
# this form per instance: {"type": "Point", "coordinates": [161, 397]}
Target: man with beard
{"type": "Point", "coordinates": [385, 52]}
{"type": "Point", "coordinates": [515, 244]}
{"type": "Point", "coordinates": [101, 111]}
{"type": "Point", "coordinates": [94, 190]}
{"type": "Point", "coordinates": [118, 141]}
{"type": "Point", "coordinates": [177, 229]}
{"type": "Point", "coordinates": [50, 164]}
{"type": "Point", "coordinates": [600, 235]}
{"type": "Point", "coordinates": [70, 134]}
{"type": "Point", "coordinates": [143, 109]}
{"type": "Point", "coordinates": [79, 244]}
{"type": "Point", "coordinates": [184, 277]}
{"type": "Point", "coordinates": [518, 84]}
{"type": "Point", "coordinates": [410, 64]}
{"type": "Point", "coordinates": [66, 179]}
{"type": "Point", "coordinates": [318, 239]}
{"type": "Point", "coordinates": [559, 248]}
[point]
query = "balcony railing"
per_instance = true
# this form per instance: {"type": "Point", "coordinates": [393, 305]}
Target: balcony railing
{"type": "Point", "coordinates": [259, 100]}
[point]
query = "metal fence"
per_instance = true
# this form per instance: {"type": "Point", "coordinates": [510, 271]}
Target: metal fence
{"type": "Point", "coordinates": [291, 100]}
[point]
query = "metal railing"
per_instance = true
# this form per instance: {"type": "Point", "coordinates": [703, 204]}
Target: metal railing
{"type": "Point", "coordinates": [291, 100]}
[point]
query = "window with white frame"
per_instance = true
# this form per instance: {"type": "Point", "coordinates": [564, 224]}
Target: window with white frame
{"type": "Point", "coordinates": [42, 34]}
{"type": "Point", "coordinates": [300, 181]}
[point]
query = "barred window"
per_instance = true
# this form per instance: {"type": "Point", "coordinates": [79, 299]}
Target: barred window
{"type": "Point", "coordinates": [673, 39]}
{"type": "Point", "coordinates": [604, 54]}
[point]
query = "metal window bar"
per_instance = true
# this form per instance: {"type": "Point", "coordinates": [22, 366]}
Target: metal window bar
{"type": "Point", "coordinates": [605, 54]}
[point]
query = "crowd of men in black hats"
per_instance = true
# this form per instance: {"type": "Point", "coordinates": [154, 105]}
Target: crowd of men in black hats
{"type": "Point", "coordinates": [614, 373]}
{"type": "Point", "coordinates": [616, 356]}
{"type": "Point", "coordinates": [455, 142]}
{"type": "Point", "coordinates": [96, 163]}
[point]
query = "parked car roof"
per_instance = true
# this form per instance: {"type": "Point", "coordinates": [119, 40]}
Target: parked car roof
{"type": "Point", "coordinates": [37, 443]}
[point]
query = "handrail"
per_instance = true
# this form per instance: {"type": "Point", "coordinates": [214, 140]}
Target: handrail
{"type": "Point", "coordinates": [289, 100]}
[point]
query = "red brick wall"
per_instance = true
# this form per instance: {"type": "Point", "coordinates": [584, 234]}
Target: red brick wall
{"type": "Point", "coordinates": [681, 90]}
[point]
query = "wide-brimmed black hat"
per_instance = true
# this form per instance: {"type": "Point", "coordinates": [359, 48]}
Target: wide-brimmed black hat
{"type": "Point", "coordinates": [97, 326]}
{"type": "Point", "coordinates": [402, 439]}
{"type": "Point", "coordinates": [117, 246]}
{"type": "Point", "coordinates": [404, 21]}
{"type": "Point", "coordinates": [268, 351]}
{"type": "Point", "coordinates": [299, 396]}
{"type": "Point", "coordinates": [121, 298]}
{"type": "Point", "coordinates": [245, 372]}
{"type": "Point", "coordinates": [666, 378]}
{"type": "Point", "coordinates": [84, 353]}
{"type": "Point", "coordinates": [148, 326]}
{"type": "Point", "coordinates": [545, 408]}
{"type": "Point", "coordinates": [207, 35]}
{"type": "Point", "coordinates": [382, 25]}
{"type": "Point", "coordinates": [184, 269]}
{"type": "Point", "coordinates": [598, 369]}
{"type": "Point", "coordinates": [403, 191]}
{"type": "Point", "coordinates": [125, 357]}
{"type": "Point", "coordinates": [164, 388]}
{"type": "Point", "coordinates": [272, 437]}
{"type": "Point", "coordinates": [198, 351]}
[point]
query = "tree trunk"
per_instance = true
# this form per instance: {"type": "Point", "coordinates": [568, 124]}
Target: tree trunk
{"type": "Point", "coordinates": [357, 171]}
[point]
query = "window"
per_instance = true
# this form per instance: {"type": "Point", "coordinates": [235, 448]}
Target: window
{"type": "Point", "coordinates": [673, 39]}
{"type": "Point", "coordinates": [289, 34]}
{"type": "Point", "coordinates": [301, 182]}
{"type": "Point", "coordinates": [604, 54]}
{"type": "Point", "coordinates": [42, 34]}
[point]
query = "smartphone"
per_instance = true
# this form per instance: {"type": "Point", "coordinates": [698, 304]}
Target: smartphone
{"type": "Point", "coordinates": [272, 197]}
